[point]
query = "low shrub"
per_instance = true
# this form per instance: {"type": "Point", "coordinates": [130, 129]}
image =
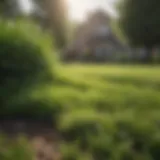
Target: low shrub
{"type": "Point", "coordinates": [26, 61]}
{"type": "Point", "coordinates": [72, 152]}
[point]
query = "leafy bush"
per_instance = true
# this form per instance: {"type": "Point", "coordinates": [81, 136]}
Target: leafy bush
{"type": "Point", "coordinates": [26, 60]}
{"type": "Point", "coordinates": [40, 104]}
{"type": "Point", "coordinates": [72, 152]}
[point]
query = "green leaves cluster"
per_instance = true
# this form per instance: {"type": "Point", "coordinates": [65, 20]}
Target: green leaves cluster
{"type": "Point", "coordinates": [26, 61]}
{"type": "Point", "coordinates": [140, 22]}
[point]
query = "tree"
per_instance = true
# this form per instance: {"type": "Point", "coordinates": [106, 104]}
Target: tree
{"type": "Point", "coordinates": [52, 15]}
{"type": "Point", "coordinates": [118, 31]}
{"type": "Point", "coordinates": [9, 8]}
{"type": "Point", "coordinates": [140, 23]}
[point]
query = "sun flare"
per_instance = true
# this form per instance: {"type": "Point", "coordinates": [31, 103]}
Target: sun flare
{"type": "Point", "coordinates": [78, 8]}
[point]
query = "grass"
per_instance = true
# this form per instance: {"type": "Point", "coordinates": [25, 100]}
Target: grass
{"type": "Point", "coordinates": [111, 112]}
{"type": "Point", "coordinates": [101, 111]}
{"type": "Point", "coordinates": [110, 87]}
{"type": "Point", "coordinates": [17, 149]}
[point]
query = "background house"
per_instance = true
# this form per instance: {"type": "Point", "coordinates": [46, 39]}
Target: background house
{"type": "Point", "coordinates": [95, 40]}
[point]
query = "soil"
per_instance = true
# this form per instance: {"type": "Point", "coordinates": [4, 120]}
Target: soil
{"type": "Point", "coordinates": [42, 136]}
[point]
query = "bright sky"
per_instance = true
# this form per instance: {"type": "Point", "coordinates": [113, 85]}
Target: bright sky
{"type": "Point", "coordinates": [78, 9]}
{"type": "Point", "coordinates": [26, 5]}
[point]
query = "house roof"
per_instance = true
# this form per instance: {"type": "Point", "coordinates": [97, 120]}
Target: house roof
{"type": "Point", "coordinates": [97, 26]}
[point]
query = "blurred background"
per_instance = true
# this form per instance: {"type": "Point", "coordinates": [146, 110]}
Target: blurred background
{"type": "Point", "coordinates": [99, 31]}
{"type": "Point", "coordinates": [79, 80]}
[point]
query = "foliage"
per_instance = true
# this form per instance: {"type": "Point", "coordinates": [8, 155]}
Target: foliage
{"type": "Point", "coordinates": [26, 61]}
{"type": "Point", "coordinates": [140, 23]}
{"type": "Point", "coordinates": [102, 112]}
{"type": "Point", "coordinates": [112, 112]}
{"type": "Point", "coordinates": [70, 152]}
{"type": "Point", "coordinates": [9, 9]}
{"type": "Point", "coordinates": [117, 30]}
{"type": "Point", "coordinates": [15, 149]}
{"type": "Point", "coordinates": [52, 15]}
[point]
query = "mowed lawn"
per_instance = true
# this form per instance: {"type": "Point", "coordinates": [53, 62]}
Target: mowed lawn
{"type": "Point", "coordinates": [104, 89]}
{"type": "Point", "coordinates": [130, 84]}
{"type": "Point", "coordinates": [110, 88]}
{"type": "Point", "coordinates": [114, 107]}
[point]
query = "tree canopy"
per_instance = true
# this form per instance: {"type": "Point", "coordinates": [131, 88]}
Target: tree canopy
{"type": "Point", "coordinates": [9, 8]}
{"type": "Point", "coordinates": [52, 15]}
{"type": "Point", "coordinates": [140, 22]}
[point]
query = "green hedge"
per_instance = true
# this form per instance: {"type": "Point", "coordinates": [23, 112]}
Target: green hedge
{"type": "Point", "coordinates": [27, 60]}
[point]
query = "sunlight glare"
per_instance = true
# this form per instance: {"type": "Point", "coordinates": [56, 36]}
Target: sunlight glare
{"type": "Point", "coordinates": [26, 5]}
{"type": "Point", "coordinates": [78, 8]}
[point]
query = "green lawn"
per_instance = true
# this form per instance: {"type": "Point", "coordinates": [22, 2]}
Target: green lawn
{"type": "Point", "coordinates": [103, 112]}
{"type": "Point", "coordinates": [109, 87]}
{"type": "Point", "coordinates": [109, 112]}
